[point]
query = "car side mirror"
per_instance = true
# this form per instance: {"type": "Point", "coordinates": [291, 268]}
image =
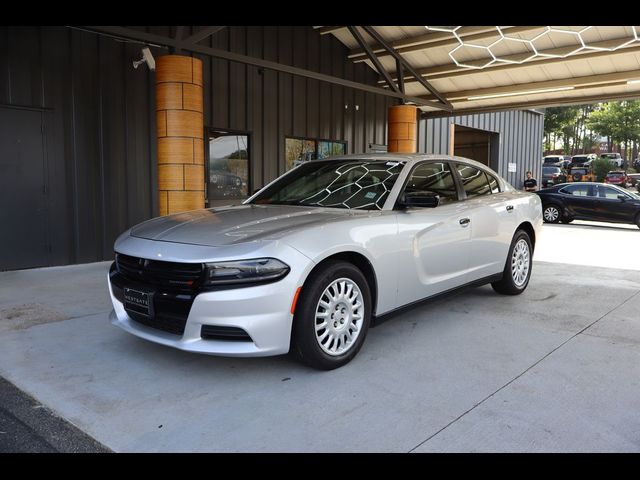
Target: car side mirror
{"type": "Point", "coordinates": [420, 199]}
{"type": "Point", "coordinates": [622, 197]}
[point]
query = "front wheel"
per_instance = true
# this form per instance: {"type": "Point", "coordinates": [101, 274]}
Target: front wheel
{"type": "Point", "coordinates": [517, 269]}
{"type": "Point", "coordinates": [332, 316]}
{"type": "Point", "coordinates": [551, 214]}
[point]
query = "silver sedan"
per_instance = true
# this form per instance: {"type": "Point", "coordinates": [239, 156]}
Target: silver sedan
{"type": "Point", "coordinates": [308, 262]}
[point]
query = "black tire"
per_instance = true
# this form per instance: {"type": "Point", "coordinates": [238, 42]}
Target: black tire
{"type": "Point", "coordinates": [638, 220]}
{"type": "Point", "coordinates": [304, 344]}
{"type": "Point", "coordinates": [507, 286]}
{"type": "Point", "coordinates": [548, 215]}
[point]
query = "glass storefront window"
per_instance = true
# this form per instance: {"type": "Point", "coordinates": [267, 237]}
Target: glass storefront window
{"type": "Point", "coordinates": [228, 175]}
{"type": "Point", "coordinates": [300, 150]}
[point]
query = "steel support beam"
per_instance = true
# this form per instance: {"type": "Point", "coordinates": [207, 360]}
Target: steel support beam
{"type": "Point", "coordinates": [542, 103]}
{"type": "Point", "coordinates": [372, 56]}
{"type": "Point", "coordinates": [327, 30]}
{"type": "Point", "coordinates": [451, 70]}
{"type": "Point", "coordinates": [128, 33]}
{"type": "Point", "coordinates": [204, 33]}
{"type": "Point", "coordinates": [445, 104]}
{"type": "Point", "coordinates": [579, 83]}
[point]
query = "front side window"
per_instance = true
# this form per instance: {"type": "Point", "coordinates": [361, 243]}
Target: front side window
{"type": "Point", "coordinates": [228, 172]}
{"type": "Point", "coordinates": [608, 192]}
{"type": "Point", "coordinates": [474, 180]}
{"type": "Point", "coordinates": [352, 184]}
{"type": "Point", "coordinates": [433, 177]}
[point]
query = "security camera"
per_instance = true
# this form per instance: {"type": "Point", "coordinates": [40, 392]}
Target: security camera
{"type": "Point", "coordinates": [147, 58]}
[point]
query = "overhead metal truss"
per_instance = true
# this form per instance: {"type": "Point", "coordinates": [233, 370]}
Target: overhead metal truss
{"type": "Point", "coordinates": [191, 44]}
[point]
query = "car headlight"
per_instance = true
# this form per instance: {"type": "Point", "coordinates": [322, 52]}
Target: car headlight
{"type": "Point", "coordinates": [245, 271]}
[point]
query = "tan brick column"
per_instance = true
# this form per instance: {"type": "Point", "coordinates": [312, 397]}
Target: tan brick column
{"type": "Point", "coordinates": [180, 129]}
{"type": "Point", "coordinates": [403, 129]}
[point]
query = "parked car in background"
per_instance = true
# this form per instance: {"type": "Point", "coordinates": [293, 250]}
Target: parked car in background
{"type": "Point", "coordinates": [589, 201]}
{"type": "Point", "coordinates": [553, 161]}
{"type": "Point", "coordinates": [617, 177]}
{"type": "Point", "coordinates": [636, 163]}
{"type": "Point", "coordinates": [308, 261]}
{"type": "Point", "coordinates": [552, 176]}
{"type": "Point", "coordinates": [583, 160]}
{"type": "Point", "coordinates": [614, 158]}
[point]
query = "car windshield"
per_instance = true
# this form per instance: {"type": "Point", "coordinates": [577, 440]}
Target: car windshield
{"type": "Point", "coordinates": [351, 184]}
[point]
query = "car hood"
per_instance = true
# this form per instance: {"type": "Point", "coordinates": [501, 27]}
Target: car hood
{"type": "Point", "coordinates": [232, 225]}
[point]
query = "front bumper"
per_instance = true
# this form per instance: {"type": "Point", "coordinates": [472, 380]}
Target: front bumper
{"type": "Point", "coordinates": [262, 311]}
{"type": "Point", "coordinates": [264, 316]}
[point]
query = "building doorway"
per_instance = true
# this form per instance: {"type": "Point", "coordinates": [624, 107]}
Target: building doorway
{"type": "Point", "coordinates": [23, 192]}
{"type": "Point", "coordinates": [476, 144]}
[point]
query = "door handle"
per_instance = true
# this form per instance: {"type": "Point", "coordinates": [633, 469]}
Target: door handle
{"type": "Point", "coordinates": [465, 221]}
{"type": "Point", "coordinates": [509, 208]}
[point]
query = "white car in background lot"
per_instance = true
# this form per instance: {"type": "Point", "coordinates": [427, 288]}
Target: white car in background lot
{"type": "Point", "coordinates": [307, 262]}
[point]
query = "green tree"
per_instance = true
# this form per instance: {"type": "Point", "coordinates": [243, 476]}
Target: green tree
{"type": "Point", "coordinates": [619, 122]}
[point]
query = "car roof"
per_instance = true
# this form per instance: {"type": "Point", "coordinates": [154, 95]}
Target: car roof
{"type": "Point", "coordinates": [409, 158]}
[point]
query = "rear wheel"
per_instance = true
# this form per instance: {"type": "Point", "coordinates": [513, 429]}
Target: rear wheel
{"type": "Point", "coordinates": [332, 316]}
{"type": "Point", "coordinates": [551, 213]}
{"type": "Point", "coordinates": [517, 269]}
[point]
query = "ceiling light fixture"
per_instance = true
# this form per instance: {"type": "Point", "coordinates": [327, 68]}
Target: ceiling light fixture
{"type": "Point", "coordinates": [524, 92]}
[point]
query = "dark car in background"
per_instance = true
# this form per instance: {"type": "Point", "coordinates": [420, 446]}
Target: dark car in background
{"type": "Point", "coordinates": [552, 176]}
{"type": "Point", "coordinates": [584, 160]}
{"type": "Point", "coordinates": [553, 161]}
{"type": "Point", "coordinates": [589, 201]}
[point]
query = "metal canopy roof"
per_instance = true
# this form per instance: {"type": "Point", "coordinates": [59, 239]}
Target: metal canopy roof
{"type": "Point", "coordinates": [488, 68]}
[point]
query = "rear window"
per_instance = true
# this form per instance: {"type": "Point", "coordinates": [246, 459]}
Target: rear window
{"type": "Point", "coordinates": [614, 174]}
{"type": "Point", "coordinates": [579, 159]}
{"type": "Point", "coordinates": [550, 169]}
{"type": "Point", "coordinates": [578, 171]}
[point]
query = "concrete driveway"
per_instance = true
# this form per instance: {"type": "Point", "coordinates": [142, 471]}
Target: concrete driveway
{"type": "Point", "coordinates": [555, 369]}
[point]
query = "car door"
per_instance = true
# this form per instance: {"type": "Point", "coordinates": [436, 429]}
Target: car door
{"type": "Point", "coordinates": [610, 208]}
{"type": "Point", "coordinates": [579, 200]}
{"type": "Point", "coordinates": [434, 241]}
{"type": "Point", "coordinates": [493, 221]}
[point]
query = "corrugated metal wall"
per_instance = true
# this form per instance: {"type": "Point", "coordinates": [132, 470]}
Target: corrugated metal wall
{"type": "Point", "coordinates": [99, 120]}
{"type": "Point", "coordinates": [520, 136]}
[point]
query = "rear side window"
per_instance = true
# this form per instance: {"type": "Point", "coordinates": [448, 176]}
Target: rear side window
{"type": "Point", "coordinates": [493, 183]}
{"type": "Point", "coordinates": [474, 180]}
{"type": "Point", "coordinates": [433, 177]}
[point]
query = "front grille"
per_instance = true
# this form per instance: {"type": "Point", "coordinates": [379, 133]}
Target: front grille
{"type": "Point", "coordinates": [171, 275]}
{"type": "Point", "coordinates": [215, 332]}
{"type": "Point", "coordinates": [170, 307]}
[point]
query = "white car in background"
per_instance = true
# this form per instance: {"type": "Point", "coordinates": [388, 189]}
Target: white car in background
{"type": "Point", "coordinates": [311, 259]}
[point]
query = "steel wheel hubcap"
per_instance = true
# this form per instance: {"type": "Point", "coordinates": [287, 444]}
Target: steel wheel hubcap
{"type": "Point", "coordinates": [339, 316]}
{"type": "Point", "coordinates": [551, 214]}
{"type": "Point", "coordinates": [520, 262]}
